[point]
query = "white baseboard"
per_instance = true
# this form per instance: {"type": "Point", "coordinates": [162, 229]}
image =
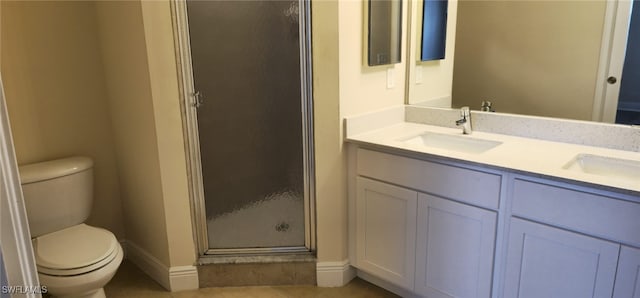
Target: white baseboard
{"type": "Point", "coordinates": [183, 278]}
{"type": "Point", "coordinates": [334, 274]}
{"type": "Point", "coordinates": [176, 278]}
{"type": "Point", "coordinates": [148, 264]}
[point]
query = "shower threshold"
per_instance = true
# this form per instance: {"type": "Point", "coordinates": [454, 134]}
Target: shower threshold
{"type": "Point", "coordinates": [253, 258]}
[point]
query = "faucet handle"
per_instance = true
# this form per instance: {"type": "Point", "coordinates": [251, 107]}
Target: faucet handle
{"type": "Point", "coordinates": [465, 121]}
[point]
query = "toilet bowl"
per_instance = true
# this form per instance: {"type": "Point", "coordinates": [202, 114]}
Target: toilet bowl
{"type": "Point", "coordinates": [73, 259]}
{"type": "Point", "coordinates": [77, 261]}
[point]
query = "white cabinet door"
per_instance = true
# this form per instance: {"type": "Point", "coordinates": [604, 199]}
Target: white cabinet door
{"type": "Point", "coordinates": [544, 261]}
{"type": "Point", "coordinates": [628, 277]}
{"type": "Point", "coordinates": [386, 231]}
{"type": "Point", "coordinates": [454, 251]}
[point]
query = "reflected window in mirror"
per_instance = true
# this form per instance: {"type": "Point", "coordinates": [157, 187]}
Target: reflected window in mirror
{"type": "Point", "coordinates": [434, 29]}
{"type": "Point", "coordinates": [385, 32]}
{"type": "Point", "coordinates": [628, 111]}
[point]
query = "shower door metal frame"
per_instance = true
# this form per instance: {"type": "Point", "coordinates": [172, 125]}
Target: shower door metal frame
{"type": "Point", "coordinates": [189, 103]}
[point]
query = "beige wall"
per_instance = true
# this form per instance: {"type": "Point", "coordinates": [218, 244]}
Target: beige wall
{"type": "Point", "coordinates": [330, 166]}
{"type": "Point", "coordinates": [364, 88]}
{"type": "Point", "coordinates": [168, 125]}
{"type": "Point", "coordinates": [437, 75]}
{"type": "Point", "coordinates": [343, 86]}
{"type": "Point", "coordinates": [137, 44]}
{"type": "Point", "coordinates": [530, 57]}
{"type": "Point", "coordinates": [131, 108]}
{"type": "Point", "coordinates": [56, 94]}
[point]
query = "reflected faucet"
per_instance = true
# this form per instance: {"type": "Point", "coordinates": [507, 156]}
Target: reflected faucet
{"type": "Point", "coordinates": [465, 121]}
{"type": "Point", "coordinates": [486, 106]}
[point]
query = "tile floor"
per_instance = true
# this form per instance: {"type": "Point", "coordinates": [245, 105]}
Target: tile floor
{"type": "Point", "coordinates": [131, 282]}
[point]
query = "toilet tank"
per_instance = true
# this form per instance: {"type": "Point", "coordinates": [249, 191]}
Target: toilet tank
{"type": "Point", "coordinates": [57, 193]}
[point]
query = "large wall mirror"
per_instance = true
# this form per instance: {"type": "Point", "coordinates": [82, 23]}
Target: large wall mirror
{"type": "Point", "coordinates": [542, 58]}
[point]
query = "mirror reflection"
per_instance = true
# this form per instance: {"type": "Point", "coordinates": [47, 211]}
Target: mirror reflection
{"type": "Point", "coordinates": [434, 30]}
{"type": "Point", "coordinates": [385, 32]}
{"type": "Point", "coordinates": [546, 58]}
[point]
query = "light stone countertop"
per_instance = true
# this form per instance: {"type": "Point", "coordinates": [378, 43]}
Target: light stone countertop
{"type": "Point", "coordinates": [528, 155]}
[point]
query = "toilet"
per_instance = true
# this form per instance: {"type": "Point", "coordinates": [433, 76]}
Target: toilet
{"type": "Point", "coordinates": [73, 258]}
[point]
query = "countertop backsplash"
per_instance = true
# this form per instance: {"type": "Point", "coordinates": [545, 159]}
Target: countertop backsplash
{"type": "Point", "coordinates": [620, 137]}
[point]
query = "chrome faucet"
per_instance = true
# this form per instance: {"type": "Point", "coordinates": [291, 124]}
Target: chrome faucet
{"type": "Point", "coordinates": [465, 121]}
{"type": "Point", "coordinates": [486, 106]}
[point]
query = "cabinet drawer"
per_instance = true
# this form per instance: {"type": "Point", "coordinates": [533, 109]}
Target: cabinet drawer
{"type": "Point", "coordinates": [461, 184]}
{"type": "Point", "coordinates": [593, 214]}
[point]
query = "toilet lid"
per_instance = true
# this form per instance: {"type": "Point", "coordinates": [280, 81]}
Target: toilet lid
{"type": "Point", "coordinates": [74, 247]}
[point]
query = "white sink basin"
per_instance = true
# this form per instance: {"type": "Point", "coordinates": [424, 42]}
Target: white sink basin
{"type": "Point", "coordinates": [605, 166]}
{"type": "Point", "coordinates": [459, 143]}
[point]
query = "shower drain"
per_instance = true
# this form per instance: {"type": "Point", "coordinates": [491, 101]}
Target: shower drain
{"type": "Point", "coordinates": [282, 227]}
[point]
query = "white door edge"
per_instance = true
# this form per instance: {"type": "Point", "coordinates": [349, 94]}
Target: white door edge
{"type": "Point", "coordinates": [612, 54]}
{"type": "Point", "coordinates": [17, 251]}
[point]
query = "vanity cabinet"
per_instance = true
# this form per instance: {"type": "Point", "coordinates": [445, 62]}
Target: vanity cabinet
{"type": "Point", "coordinates": [454, 250]}
{"type": "Point", "coordinates": [446, 229]}
{"type": "Point", "coordinates": [628, 276]}
{"type": "Point", "coordinates": [415, 226]}
{"type": "Point", "coordinates": [544, 261]}
{"type": "Point", "coordinates": [386, 231]}
{"type": "Point", "coordinates": [567, 241]}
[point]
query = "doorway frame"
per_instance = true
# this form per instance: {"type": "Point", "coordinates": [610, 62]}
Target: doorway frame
{"type": "Point", "coordinates": [16, 250]}
{"type": "Point", "coordinates": [192, 144]}
{"type": "Point", "coordinates": [612, 54]}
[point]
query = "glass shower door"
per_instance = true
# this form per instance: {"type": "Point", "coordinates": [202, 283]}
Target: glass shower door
{"type": "Point", "coordinates": [246, 66]}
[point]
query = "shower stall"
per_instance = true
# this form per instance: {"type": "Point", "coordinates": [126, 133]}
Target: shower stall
{"type": "Point", "coordinates": [248, 116]}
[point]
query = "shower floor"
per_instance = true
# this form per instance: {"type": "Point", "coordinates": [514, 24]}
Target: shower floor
{"type": "Point", "coordinates": [274, 222]}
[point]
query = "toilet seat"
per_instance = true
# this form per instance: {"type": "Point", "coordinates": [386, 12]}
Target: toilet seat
{"type": "Point", "coordinates": [74, 251]}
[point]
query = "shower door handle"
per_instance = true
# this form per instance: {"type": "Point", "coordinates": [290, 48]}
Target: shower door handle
{"type": "Point", "coordinates": [198, 101]}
